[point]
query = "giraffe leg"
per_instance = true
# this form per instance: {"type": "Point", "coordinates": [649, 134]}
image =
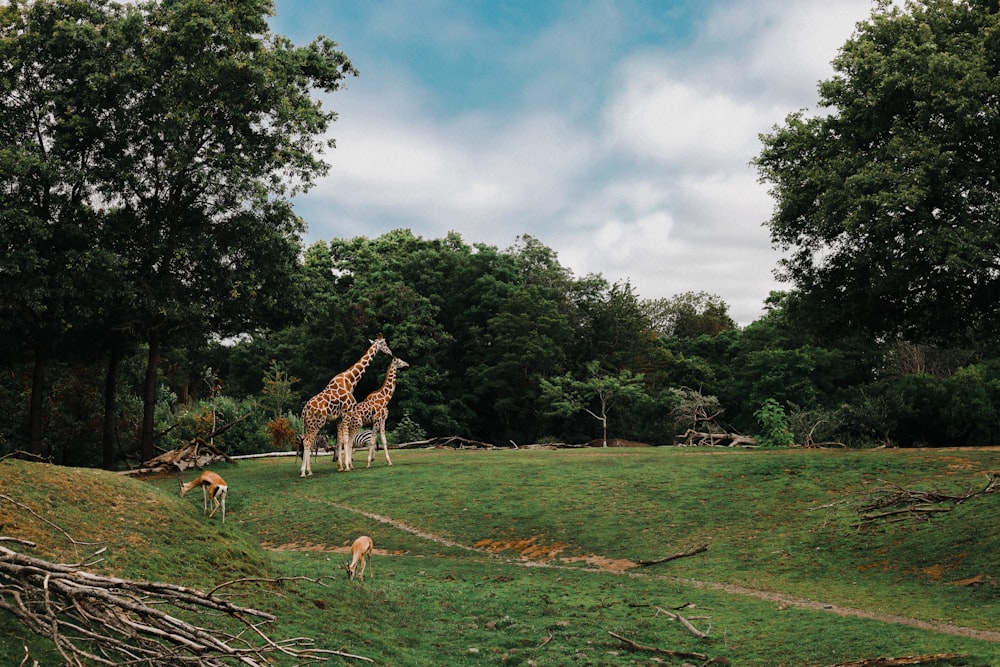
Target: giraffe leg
{"type": "Point", "coordinates": [342, 435]}
{"type": "Point", "coordinates": [372, 447]}
{"type": "Point", "coordinates": [307, 442]}
{"type": "Point", "coordinates": [385, 445]}
{"type": "Point", "coordinates": [341, 451]}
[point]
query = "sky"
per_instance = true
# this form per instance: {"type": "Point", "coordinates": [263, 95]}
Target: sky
{"type": "Point", "coordinates": [619, 133]}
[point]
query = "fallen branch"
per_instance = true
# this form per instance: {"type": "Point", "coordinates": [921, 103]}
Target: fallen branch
{"type": "Point", "coordinates": [656, 649]}
{"type": "Point", "coordinates": [692, 552]}
{"type": "Point", "coordinates": [892, 502]}
{"type": "Point", "coordinates": [20, 453]}
{"type": "Point", "coordinates": [105, 620]}
{"type": "Point", "coordinates": [895, 662]}
{"type": "Point", "coordinates": [687, 624]}
{"type": "Point", "coordinates": [693, 438]}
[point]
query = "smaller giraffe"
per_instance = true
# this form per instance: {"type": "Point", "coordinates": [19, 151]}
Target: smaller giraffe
{"type": "Point", "coordinates": [373, 410]}
{"type": "Point", "coordinates": [331, 403]}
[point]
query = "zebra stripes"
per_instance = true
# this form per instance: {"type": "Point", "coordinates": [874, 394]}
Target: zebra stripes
{"type": "Point", "coordinates": [363, 439]}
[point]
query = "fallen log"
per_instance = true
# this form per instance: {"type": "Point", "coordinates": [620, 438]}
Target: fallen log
{"type": "Point", "coordinates": [450, 441]}
{"type": "Point", "coordinates": [692, 438]}
{"type": "Point", "coordinates": [198, 452]}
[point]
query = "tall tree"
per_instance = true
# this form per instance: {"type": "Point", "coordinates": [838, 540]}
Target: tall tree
{"type": "Point", "coordinates": [159, 140]}
{"type": "Point", "coordinates": [888, 202]}
{"type": "Point", "coordinates": [216, 128]}
{"type": "Point", "coordinates": [55, 276]}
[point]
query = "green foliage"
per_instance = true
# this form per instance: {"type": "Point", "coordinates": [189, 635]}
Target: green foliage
{"type": "Point", "coordinates": [886, 201]}
{"type": "Point", "coordinates": [774, 425]}
{"type": "Point", "coordinates": [886, 205]}
{"type": "Point", "coordinates": [408, 430]}
{"type": "Point", "coordinates": [595, 395]}
{"type": "Point", "coordinates": [689, 315]}
{"type": "Point", "coordinates": [276, 393]}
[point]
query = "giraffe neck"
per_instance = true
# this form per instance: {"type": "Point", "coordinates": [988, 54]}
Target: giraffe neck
{"type": "Point", "coordinates": [389, 385]}
{"type": "Point", "coordinates": [353, 374]}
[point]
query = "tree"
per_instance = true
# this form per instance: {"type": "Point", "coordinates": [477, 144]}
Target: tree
{"type": "Point", "coordinates": [689, 315]}
{"type": "Point", "coordinates": [887, 203]}
{"type": "Point", "coordinates": [595, 395]}
{"type": "Point", "coordinates": [276, 391]}
{"type": "Point", "coordinates": [192, 126]}
{"type": "Point", "coordinates": [56, 278]}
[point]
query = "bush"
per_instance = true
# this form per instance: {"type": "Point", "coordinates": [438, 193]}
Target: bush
{"type": "Point", "coordinates": [408, 430]}
{"type": "Point", "coordinates": [774, 425]}
{"type": "Point", "coordinates": [282, 433]}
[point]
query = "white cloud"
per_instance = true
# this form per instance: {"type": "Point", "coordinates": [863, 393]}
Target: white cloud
{"type": "Point", "coordinates": [657, 116]}
{"type": "Point", "coordinates": [655, 187]}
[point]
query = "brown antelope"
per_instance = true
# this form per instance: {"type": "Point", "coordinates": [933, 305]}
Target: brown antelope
{"type": "Point", "coordinates": [361, 551]}
{"type": "Point", "coordinates": [211, 486]}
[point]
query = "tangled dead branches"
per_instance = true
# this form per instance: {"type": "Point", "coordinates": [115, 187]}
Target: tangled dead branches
{"type": "Point", "coordinates": [104, 620]}
{"type": "Point", "coordinates": [892, 503]}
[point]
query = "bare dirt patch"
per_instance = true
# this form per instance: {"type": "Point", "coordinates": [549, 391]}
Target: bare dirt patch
{"type": "Point", "coordinates": [602, 563]}
{"type": "Point", "coordinates": [529, 547]}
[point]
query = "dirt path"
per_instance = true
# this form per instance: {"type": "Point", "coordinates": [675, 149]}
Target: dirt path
{"type": "Point", "coordinates": [535, 557]}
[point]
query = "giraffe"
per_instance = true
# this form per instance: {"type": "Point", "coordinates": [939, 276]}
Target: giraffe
{"type": "Point", "coordinates": [373, 410]}
{"type": "Point", "coordinates": [331, 403]}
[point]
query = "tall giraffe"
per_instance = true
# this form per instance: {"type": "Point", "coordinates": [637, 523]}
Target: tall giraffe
{"type": "Point", "coordinates": [331, 403]}
{"type": "Point", "coordinates": [373, 410]}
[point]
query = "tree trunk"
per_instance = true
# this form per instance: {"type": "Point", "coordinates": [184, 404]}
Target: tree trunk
{"type": "Point", "coordinates": [149, 395]}
{"type": "Point", "coordinates": [36, 405]}
{"type": "Point", "coordinates": [110, 389]}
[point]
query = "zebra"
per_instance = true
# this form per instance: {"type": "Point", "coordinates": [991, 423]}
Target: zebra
{"type": "Point", "coordinates": [364, 439]}
{"type": "Point", "coordinates": [319, 441]}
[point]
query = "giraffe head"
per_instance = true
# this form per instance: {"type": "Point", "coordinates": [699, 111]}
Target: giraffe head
{"type": "Point", "coordinates": [379, 344]}
{"type": "Point", "coordinates": [398, 363]}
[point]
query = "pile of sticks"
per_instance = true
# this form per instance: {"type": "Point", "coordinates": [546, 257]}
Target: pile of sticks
{"type": "Point", "coordinates": [98, 619]}
{"type": "Point", "coordinates": [198, 452]}
{"type": "Point", "coordinates": [692, 438]}
{"type": "Point", "coordinates": [892, 503]}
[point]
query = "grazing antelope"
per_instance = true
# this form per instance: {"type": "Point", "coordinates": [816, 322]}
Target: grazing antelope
{"type": "Point", "coordinates": [361, 551]}
{"type": "Point", "coordinates": [211, 486]}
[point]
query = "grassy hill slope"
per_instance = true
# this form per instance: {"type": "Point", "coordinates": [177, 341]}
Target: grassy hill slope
{"type": "Point", "coordinates": [530, 557]}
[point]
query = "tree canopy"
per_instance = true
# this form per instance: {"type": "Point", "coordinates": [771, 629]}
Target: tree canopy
{"type": "Point", "coordinates": [148, 157]}
{"type": "Point", "coordinates": [147, 163]}
{"type": "Point", "coordinates": [888, 201]}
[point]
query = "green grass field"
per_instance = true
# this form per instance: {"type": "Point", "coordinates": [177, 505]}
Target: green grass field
{"type": "Point", "coordinates": [529, 557]}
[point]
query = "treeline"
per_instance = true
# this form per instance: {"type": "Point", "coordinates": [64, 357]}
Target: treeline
{"type": "Point", "coordinates": [507, 346]}
{"type": "Point", "coordinates": [154, 285]}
